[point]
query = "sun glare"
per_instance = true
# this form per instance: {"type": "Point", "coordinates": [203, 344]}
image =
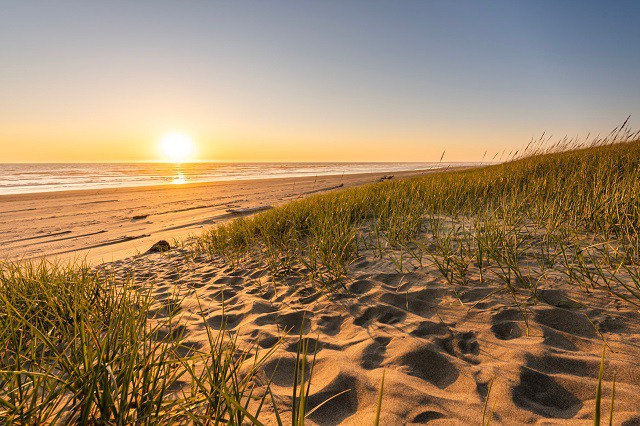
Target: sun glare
{"type": "Point", "coordinates": [176, 147]}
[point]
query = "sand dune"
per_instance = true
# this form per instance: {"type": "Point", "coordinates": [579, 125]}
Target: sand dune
{"type": "Point", "coordinates": [442, 350]}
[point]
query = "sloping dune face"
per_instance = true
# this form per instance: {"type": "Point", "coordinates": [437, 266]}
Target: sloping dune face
{"type": "Point", "coordinates": [445, 350]}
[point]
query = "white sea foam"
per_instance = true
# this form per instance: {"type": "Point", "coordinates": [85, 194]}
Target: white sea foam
{"type": "Point", "coordinates": [31, 178]}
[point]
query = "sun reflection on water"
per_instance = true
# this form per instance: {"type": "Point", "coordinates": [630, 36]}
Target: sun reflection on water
{"type": "Point", "coordinates": [179, 179]}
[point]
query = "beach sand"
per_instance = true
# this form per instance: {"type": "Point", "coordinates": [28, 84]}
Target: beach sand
{"type": "Point", "coordinates": [110, 224]}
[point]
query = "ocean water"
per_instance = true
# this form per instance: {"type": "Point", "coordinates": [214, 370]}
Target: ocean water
{"type": "Point", "coordinates": [32, 178]}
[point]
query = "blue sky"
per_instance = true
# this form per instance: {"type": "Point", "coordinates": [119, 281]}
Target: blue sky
{"type": "Point", "coordinates": [326, 81]}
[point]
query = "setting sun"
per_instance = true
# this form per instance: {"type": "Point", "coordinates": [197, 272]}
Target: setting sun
{"type": "Point", "coordinates": [176, 147]}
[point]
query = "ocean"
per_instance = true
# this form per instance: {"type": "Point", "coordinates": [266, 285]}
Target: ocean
{"type": "Point", "coordinates": [32, 178]}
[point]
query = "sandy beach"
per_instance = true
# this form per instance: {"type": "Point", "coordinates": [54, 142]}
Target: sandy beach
{"type": "Point", "coordinates": [515, 336]}
{"type": "Point", "coordinates": [110, 224]}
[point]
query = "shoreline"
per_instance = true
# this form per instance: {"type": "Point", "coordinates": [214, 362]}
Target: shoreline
{"type": "Point", "coordinates": [97, 191]}
{"type": "Point", "coordinates": [173, 177]}
{"type": "Point", "coordinates": [108, 224]}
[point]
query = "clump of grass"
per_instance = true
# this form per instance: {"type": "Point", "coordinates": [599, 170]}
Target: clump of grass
{"type": "Point", "coordinates": [80, 346]}
{"type": "Point", "coordinates": [76, 349]}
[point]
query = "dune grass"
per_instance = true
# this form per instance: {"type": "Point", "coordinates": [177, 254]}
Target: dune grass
{"type": "Point", "coordinates": [79, 345]}
{"type": "Point", "coordinates": [575, 212]}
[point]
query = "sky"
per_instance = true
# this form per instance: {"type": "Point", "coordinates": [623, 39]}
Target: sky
{"type": "Point", "coordinates": [310, 80]}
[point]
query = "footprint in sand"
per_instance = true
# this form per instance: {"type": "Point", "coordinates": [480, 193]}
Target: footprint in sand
{"type": "Point", "coordinates": [227, 321]}
{"type": "Point", "coordinates": [506, 324]}
{"type": "Point", "coordinates": [507, 330]}
{"type": "Point", "coordinates": [335, 399]}
{"type": "Point", "coordinates": [383, 314]}
{"type": "Point", "coordinates": [566, 321]}
{"type": "Point", "coordinates": [373, 355]}
{"type": "Point", "coordinates": [558, 364]}
{"type": "Point", "coordinates": [230, 280]}
{"type": "Point", "coordinates": [430, 328]}
{"type": "Point", "coordinates": [427, 363]}
{"type": "Point", "coordinates": [281, 370]}
{"type": "Point", "coordinates": [293, 322]}
{"type": "Point", "coordinates": [462, 345]}
{"type": "Point", "coordinates": [468, 343]}
{"type": "Point", "coordinates": [267, 340]}
{"type": "Point", "coordinates": [360, 286]}
{"type": "Point", "coordinates": [224, 295]}
{"type": "Point", "coordinates": [330, 324]}
{"type": "Point", "coordinates": [423, 302]}
{"type": "Point", "coordinates": [611, 324]}
{"type": "Point", "coordinates": [541, 394]}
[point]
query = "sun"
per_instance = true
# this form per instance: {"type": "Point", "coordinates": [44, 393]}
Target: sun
{"type": "Point", "coordinates": [176, 147]}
